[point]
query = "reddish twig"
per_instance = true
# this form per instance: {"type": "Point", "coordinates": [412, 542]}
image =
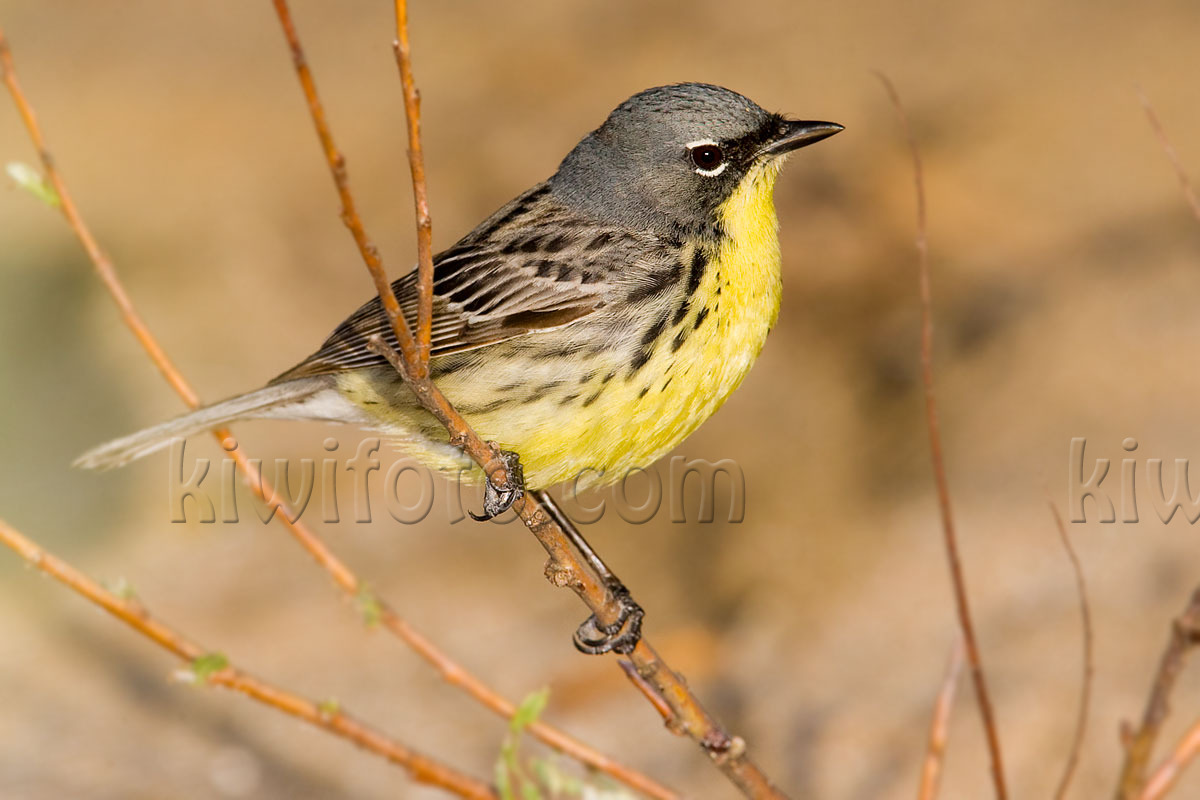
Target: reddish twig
{"type": "Point", "coordinates": [1185, 183]}
{"type": "Point", "coordinates": [420, 767]}
{"type": "Point", "coordinates": [939, 466]}
{"type": "Point", "coordinates": [1185, 635]}
{"type": "Point", "coordinates": [1085, 689]}
{"type": "Point", "coordinates": [1169, 771]}
{"type": "Point", "coordinates": [416, 164]}
{"type": "Point", "coordinates": [565, 567]}
{"type": "Point", "coordinates": [104, 267]}
{"type": "Point", "coordinates": [935, 749]}
{"type": "Point", "coordinates": [648, 691]}
{"type": "Point", "coordinates": [345, 578]}
{"type": "Point", "coordinates": [337, 167]}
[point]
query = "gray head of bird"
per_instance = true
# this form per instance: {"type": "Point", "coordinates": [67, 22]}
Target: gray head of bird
{"type": "Point", "coordinates": [667, 158]}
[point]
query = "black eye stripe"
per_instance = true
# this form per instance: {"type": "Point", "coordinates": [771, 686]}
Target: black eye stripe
{"type": "Point", "coordinates": [739, 152]}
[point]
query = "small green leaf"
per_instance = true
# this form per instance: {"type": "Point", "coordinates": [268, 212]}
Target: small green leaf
{"type": "Point", "coordinates": [530, 709]}
{"type": "Point", "coordinates": [32, 181]}
{"type": "Point", "coordinates": [511, 777]}
{"type": "Point", "coordinates": [329, 708]}
{"type": "Point", "coordinates": [207, 665]}
{"type": "Point", "coordinates": [368, 606]}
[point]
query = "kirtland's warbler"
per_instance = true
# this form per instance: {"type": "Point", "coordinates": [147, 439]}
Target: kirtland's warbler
{"type": "Point", "coordinates": [590, 324]}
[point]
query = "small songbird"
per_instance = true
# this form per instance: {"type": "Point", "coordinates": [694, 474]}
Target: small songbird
{"type": "Point", "coordinates": [589, 325]}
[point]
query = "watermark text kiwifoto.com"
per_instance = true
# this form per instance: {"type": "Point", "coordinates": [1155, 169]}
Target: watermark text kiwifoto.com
{"type": "Point", "coordinates": [357, 488]}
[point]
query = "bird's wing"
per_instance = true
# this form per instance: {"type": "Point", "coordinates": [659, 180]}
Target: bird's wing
{"type": "Point", "coordinates": [533, 266]}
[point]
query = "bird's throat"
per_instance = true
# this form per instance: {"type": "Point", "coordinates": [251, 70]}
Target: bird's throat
{"type": "Point", "coordinates": [748, 257]}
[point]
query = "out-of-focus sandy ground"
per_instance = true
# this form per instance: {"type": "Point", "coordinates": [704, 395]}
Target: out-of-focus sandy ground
{"type": "Point", "coordinates": [1067, 272]}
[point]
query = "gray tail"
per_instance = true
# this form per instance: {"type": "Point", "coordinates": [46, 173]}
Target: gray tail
{"type": "Point", "coordinates": [305, 398]}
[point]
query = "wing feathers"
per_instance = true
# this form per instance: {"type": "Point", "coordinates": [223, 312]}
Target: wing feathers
{"type": "Point", "coordinates": [526, 269]}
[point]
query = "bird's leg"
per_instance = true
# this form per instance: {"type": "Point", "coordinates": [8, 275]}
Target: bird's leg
{"type": "Point", "coordinates": [498, 500]}
{"type": "Point", "coordinates": [591, 637]}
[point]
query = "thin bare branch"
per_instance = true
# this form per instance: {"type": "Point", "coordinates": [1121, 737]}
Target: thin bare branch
{"type": "Point", "coordinates": [345, 578]}
{"type": "Point", "coordinates": [1185, 635]}
{"type": "Point", "coordinates": [337, 168]}
{"type": "Point", "coordinates": [939, 725]}
{"type": "Point", "coordinates": [104, 267]}
{"type": "Point", "coordinates": [422, 768]}
{"type": "Point", "coordinates": [1169, 772]}
{"type": "Point", "coordinates": [1085, 688]}
{"type": "Point", "coordinates": [649, 692]}
{"type": "Point", "coordinates": [974, 659]}
{"type": "Point", "coordinates": [416, 164]}
{"type": "Point", "coordinates": [1185, 183]}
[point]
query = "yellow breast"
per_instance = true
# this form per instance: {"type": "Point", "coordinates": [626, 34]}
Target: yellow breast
{"type": "Point", "coordinates": [634, 422]}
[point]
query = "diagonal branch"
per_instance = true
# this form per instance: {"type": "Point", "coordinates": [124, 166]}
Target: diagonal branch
{"type": "Point", "coordinates": [1165, 777]}
{"type": "Point", "coordinates": [345, 578]}
{"type": "Point", "coordinates": [421, 768]}
{"type": "Point", "coordinates": [565, 567]}
{"type": "Point", "coordinates": [1185, 635]}
{"type": "Point", "coordinates": [974, 659]}
{"type": "Point", "coordinates": [104, 267]}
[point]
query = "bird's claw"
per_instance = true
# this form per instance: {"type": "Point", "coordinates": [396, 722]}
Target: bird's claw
{"type": "Point", "coordinates": [621, 636]}
{"type": "Point", "coordinates": [498, 500]}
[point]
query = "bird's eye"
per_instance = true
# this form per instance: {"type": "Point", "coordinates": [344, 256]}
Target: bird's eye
{"type": "Point", "coordinates": [708, 158]}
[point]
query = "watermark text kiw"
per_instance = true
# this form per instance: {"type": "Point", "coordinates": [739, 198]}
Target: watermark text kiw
{"type": "Point", "coordinates": [1135, 479]}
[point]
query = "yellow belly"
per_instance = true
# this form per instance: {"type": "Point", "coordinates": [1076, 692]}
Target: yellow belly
{"type": "Point", "coordinates": [583, 417]}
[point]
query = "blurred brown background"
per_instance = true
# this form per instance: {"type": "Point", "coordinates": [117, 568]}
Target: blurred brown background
{"type": "Point", "coordinates": [1066, 272]}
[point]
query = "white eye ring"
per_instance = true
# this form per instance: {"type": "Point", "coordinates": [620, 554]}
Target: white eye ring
{"type": "Point", "coordinates": [708, 173]}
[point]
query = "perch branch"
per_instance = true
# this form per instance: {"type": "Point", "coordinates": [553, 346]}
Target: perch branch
{"type": "Point", "coordinates": [420, 767]}
{"type": "Point", "coordinates": [345, 578]}
{"type": "Point", "coordinates": [565, 568]}
{"type": "Point", "coordinates": [649, 692]}
{"type": "Point", "coordinates": [974, 659]}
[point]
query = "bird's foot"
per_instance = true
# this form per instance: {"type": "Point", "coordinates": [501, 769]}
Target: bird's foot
{"type": "Point", "coordinates": [498, 500]}
{"type": "Point", "coordinates": [621, 636]}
